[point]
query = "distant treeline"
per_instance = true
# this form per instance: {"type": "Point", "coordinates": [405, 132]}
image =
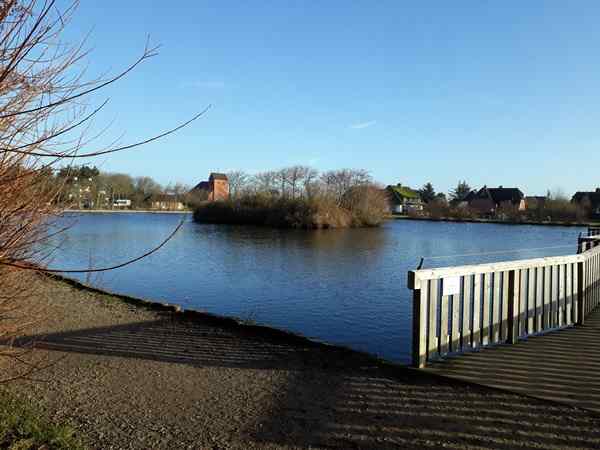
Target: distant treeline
{"type": "Point", "coordinates": [88, 187]}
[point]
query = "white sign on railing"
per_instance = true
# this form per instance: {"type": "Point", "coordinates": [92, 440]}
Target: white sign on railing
{"type": "Point", "coordinates": [451, 286]}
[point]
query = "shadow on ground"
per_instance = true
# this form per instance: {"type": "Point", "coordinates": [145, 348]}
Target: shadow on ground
{"type": "Point", "coordinates": [334, 398]}
{"type": "Point", "coordinates": [562, 366]}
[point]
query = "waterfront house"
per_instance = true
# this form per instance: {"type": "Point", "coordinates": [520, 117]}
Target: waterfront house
{"type": "Point", "coordinates": [490, 200]}
{"type": "Point", "coordinates": [589, 200]}
{"type": "Point", "coordinates": [165, 202]}
{"type": "Point", "coordinates": [403, 199]}
{"type": "Point", "coordinates": [216, 188]}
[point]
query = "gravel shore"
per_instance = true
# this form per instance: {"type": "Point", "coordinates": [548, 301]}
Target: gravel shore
{"type": "Point", "coordinates": [128, 377]}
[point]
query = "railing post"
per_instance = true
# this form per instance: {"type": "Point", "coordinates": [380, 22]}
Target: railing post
{"type": "Point", "coordinates": [419, 322]}
{"type": "Point", "coordinates": [512, 325]}
{"type": "Point", "coordinates": [581, 293]}
{"type": "Point", "coordinates": [419, 337]}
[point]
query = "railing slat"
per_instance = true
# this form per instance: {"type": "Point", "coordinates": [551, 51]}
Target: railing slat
{"type": "Point", "coordinates": [455, 336]}
{"type": "Point", "coordinates": [444, 308]}
{"type": "Point", "coordinates": [432, 348]}
{"type": "Point", "coordinates": [569, 294]}
{"type": "Point", "coordinates": [523, 302]}
{"type": "Point", "coordinates": [588, 282]}
{"type": "Point", "coordinates": [554, 297]}
{"type": "Point", "coordinates": [546, 322]}
{"type": "Point", "coordinates": [512, 297]}
{"type": "Point", "coordinates": [539, 298]}
{"type": "Point", "coordinates": [504, 312]}
{"type": "Point", "coordinates": [531, 311]}
{"type": "Point", "coordinates": [594, 280]}
{"type": "Point", "coordinates": [467, 302]}
{"type": "Point", "coordinates": [561, 291]}
{"type": "Point", "coordinates": [477, 311]}
{"type": "Point", "coordinates": [485, 314]}
{"type": "Point", "coordinates": [587, 288]}
{"type": "Point", "coordinates": [592, 286]}
{"type": "Point", "coordinates": [496, 311]}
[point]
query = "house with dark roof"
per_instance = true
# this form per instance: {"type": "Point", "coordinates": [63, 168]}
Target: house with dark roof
{"type": "Point", "coordinates": [216, 188]}
{"type": "Point", "coordinates": [403, 199]}
{"type": "Point", "coordinates": [491, 200]}
{"type": "Point", "coordinates": [589, 200]}
{"type": "Point", "coordinates": [465, 201]}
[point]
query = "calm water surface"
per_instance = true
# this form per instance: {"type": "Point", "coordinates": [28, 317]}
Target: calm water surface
{"type": "Point", "coordinates": [339, 286]}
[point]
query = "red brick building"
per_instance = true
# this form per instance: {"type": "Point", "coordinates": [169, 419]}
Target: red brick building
{"type": "Point", "coordinates": [216, 188]}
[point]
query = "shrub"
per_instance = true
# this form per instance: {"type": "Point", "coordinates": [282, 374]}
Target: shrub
{"type": "Point", "coordinates": [368, 205]}
{"type": "Point", "coordinates": [22, 428]}
{"type": "Point", "coordinates": [562, 210]}
{"type": "Point", "coordinates": [437, 210]}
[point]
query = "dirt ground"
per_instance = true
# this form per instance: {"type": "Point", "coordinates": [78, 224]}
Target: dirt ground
{"type": "Point", "coordinates": [131, 378]}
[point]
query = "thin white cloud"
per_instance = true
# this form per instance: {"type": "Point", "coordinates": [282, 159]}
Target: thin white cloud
{"type": "Point", "coordinates": [362, 125]}
{"type": "Point", "coordinates": [204, 84]}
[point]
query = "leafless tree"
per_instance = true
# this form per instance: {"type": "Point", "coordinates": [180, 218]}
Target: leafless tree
{"type": "Point", "coordinates": [44, 122]}
{"type": "Point", "coordinates": [338, 182]}
{"type": "Point", "coordinates": [281, 178]}
{"type": "Point", "coordinates": [297, 178]}
{"type": "Point", "coordinates": [238, 182]}
{"type": "Point", "coordinates": [147, 186]}
{"type": "Point", "coordinates": [265, 181]}
{"type": "Point", "coordinates": [178, 188]}
{"type": "Point", "coordinates": [310, 182]}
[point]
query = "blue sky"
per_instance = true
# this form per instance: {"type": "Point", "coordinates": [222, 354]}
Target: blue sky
{"type": "Point", "coordinates": [497, 93]}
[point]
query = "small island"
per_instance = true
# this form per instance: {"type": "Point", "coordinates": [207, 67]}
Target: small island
{"type": "Point", "coordinates": [295, 197]}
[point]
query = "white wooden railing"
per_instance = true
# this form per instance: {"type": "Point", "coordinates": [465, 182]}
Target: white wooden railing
{"type": "Point", "coordinates": [593, 231]}
{"type": "Point", "coordinates": [458, 309]}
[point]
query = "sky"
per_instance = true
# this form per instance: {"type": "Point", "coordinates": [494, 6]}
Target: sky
{"type": "Point", "coordinates": [496, 93]}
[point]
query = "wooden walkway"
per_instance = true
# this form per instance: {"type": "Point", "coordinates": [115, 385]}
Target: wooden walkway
{"type": "Point", "coordinates": [562, 365]}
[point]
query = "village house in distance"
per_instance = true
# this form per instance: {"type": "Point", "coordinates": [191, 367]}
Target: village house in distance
{"type": "Point", "coordinates": [489, 200]}
{"type": "Point", "coordinates": [589, 200]}
{"type": "Point", "coordinates": [403, 200]}
{"type": "Point", "coordinates": [216, 188]}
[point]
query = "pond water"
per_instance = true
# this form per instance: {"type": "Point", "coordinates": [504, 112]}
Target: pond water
{"type": "Point", "coordinates": [340, 286]}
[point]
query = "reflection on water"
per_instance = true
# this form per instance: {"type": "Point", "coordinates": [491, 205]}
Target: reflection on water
{"type": "Point", "coordinates": [342, 286]}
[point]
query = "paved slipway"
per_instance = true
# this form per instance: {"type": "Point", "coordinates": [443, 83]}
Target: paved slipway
{"type": "Point", "coordinates": [129, 377]}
